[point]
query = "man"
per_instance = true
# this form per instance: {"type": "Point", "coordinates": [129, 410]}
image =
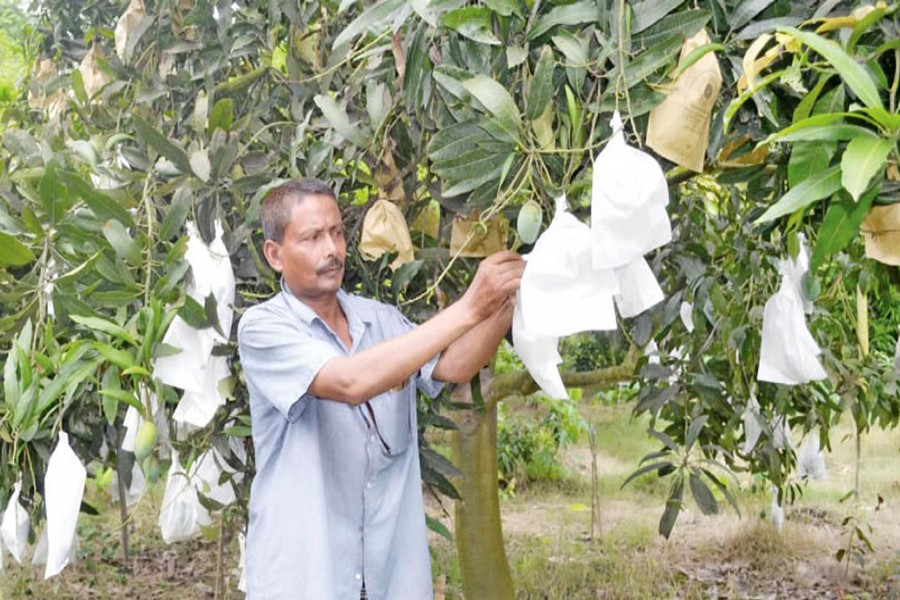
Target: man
{"type": "Point", "coordinates": [336, 507]}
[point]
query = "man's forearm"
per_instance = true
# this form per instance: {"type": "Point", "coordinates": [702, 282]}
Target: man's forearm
{"type": "Point", "coordinates": [471, 351]}
{"type": "Point", "coordinates": [354, 379]}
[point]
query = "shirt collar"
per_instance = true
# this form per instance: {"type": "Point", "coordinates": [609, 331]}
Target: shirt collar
{"type": "Point", "coordinates": [308, 315]}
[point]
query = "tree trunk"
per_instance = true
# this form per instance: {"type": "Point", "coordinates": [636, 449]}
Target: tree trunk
{"type": "Point", "coordinates": [479, 534]}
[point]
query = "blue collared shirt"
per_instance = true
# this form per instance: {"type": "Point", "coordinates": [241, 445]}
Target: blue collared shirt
{"type": "Point", "coordinates": [335, 501]}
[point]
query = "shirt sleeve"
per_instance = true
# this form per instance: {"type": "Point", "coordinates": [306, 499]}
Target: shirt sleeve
{"type": "Point", "coordinates": [280, 361]}
{"type": "Point", "coordinates": [425, 380]}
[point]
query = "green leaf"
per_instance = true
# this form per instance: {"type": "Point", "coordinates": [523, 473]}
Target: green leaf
{"type": "Point", "coordinates": [210, 307]}
{"type": "Point", "coordinates": [840, 225]}
{"type": "Point", "coordinates": [102, 205]}
{"type": "Point", "coordinates": [864, 158]}
{"type": "Point", "coordinates": [652, 59]}
{"type": "Point", "coordinates": [438, 527]}
{"type": "Point", "coordinates": [55, 198]}
{"type": "Point", "coordinates": [851, 72]}
{"type": "Point", "coordinates": [576, 13]}
{"type": "Point", "coordinates": [694, 430]}
{"type": "Point", "coordinates": [745, 12]}
{"type": "Point", "coordinates": [156, 140]}
{"type": "Point", "coordinates": [242, 431]}
{"type": "Point", "coordinates": [684, 24]}
{"type": "Point", "coordinates": [418, 67]}
{"type": "Point", "coordinates": [656, 466]}
{"type": "Point", "coordinates": [375, 17]}
{"type": "Point", "coordinates": [573, 48]}
{"type": "Point", "coordinates": [808, 158]}
{"type": "Point", "coordinates": [541, 89]}
{"type": "Point", "coordinates": [78, 87]}
{"type": "Point", "coordinates": [194, 314]}
{"type": "Point", "coordinates": [819, 186]}
{"type": "Point", "coordinates": [474, 22]}
{"type": "Point", "coordinates": [649, 12]}
{"type": "Point", "coordinates": [673, 508]}
{"type": "Point", "coordinates": [13, 253]}
{"type": "Point", "coordinates": [113, 329]}
{"type": "Point", "coordinates": [337, 117]}
{"type": "Point", "coordinates": [122, 242]}
{"type": "Point", "coordinates": [222, 116]}
{"type": "Point", "coordinates": [121, 358]}
{"type": "Point", "coordinates": [176, 213]}
{"type": "Point", "coordinates": [504, 8]}
{"type": "Point", "coordinates": [495, 98]}
{"type": "Point", "coordinates": [805, 106]}
{"type": "Point", "coordinates": [695, 55]}
{"type": "Point", "coordinates": [703, 496]}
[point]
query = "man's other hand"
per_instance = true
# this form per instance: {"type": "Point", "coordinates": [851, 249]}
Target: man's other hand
{"type": "Point", "coordinates": [496, 281]}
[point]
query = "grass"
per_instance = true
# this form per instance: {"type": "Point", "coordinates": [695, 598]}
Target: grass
{"type": "Point", "coordinates": [547, 532]}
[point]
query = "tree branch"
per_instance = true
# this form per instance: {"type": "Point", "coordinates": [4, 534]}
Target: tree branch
{"type": "Point", "coordinates": [520, 383]}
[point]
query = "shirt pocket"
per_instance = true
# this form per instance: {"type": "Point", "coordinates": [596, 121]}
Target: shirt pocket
{"type": "Point", "coordinates": [393, 417]}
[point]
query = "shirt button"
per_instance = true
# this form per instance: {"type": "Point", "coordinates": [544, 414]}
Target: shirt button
{"type": "Point", "coordinates": [373, 438]}
{"type": "Point", "coordinates": [369, 485]}
{"type": "Point", "coordinates": [358, 577]}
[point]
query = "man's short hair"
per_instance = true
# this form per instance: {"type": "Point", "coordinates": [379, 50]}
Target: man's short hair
{"type": "Point", "coordinates": [280, 201]}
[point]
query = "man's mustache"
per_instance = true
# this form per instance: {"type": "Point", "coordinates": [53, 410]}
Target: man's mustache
{"type": "Point", "coordinates": [333, 263]}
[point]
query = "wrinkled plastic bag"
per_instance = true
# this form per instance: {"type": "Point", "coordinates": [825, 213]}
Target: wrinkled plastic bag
{"type": "Point", "coordinates": [628, 203]}
{"type": "Point", "coordinates": [198, 407]}
{"type": "Point", "coordinates": [63, 490]}
{"type": "Point", "coordinates": [561, 293]}
{"type": "Point", "coordinates": [539, 354]}
{"type": "Point", "coordinates": [781, 433]}
{"type": "Point", "coordinates": [777, 510]}
{"type": "Point", "coordinates": [811, 460]}
{"type": "Point", "coordinates": [134, 491]}
{"type": "Point", "coordinates": [788, 353]}
{"type": "Point", "coordinates": [686, 312]}
{"type": "Point", "coordinates": [15, 525]}
{"type": "Point", "coordinates": [385, 230]}
{"type": "Point", "coordinates": [752, 426]}
{"type": "Point", "coordinates": [194, 369]}
{"type": "Point", "coordinates": [39, 556]}
{"type": "Point", "coordinates": [795, 268]}
{"type": "Point", "coordinates": [181, 514]}
{"type": "Point", "coordinates": [242, 582]}
{"type": "Point", "coordinates": [638, 288]}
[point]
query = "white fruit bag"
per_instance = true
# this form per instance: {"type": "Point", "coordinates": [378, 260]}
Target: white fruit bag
{"type": "Point", "coordinates": [205, 478]}
{"type": "Point", "coordinates": [63, 490]}
{"type": "Point", "coordinates": [628, 203]}
{"type": "Point", "coordinates": [181, 514]}
{"type": "Point", "coordinates": [15, 525]}
{"type": "Point", "coordinates": [752, 427]}
{"type": "Point", "coordinates": [788, 353]}
{"type": "Point", "coordinates": [561, 292]}
{"type": "Point", "coordinates": [242, 565]}
{"type": "Point", "coordinates": [539, 354]}
{"type": "Point", "coordinates": [811, 459]}
{"type": "Point", "coordinates": [194, 369]}
{"type": "Point", "coordinates": [197, 407]}
{"type": "Point", "coordinates": [638, 288]}
{"type": "Point", "coordinates": [777, 511]}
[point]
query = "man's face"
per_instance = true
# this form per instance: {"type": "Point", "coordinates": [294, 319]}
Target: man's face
{"type": "Point", "coordinates": [312, 253]}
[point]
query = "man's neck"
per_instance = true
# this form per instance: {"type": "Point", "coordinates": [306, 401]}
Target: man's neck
{"type": "Point", "coordinates": [328, 308]}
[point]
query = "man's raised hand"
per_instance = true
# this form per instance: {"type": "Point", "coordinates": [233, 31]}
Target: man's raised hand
{"type": "Point", "coordinates": [496, 281]}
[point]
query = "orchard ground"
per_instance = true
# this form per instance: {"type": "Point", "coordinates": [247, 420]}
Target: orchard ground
{"type": "Point", "coordinates": [547, 529]}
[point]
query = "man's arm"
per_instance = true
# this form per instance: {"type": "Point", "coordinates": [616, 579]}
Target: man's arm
{"type": "Point", "coordinates": [469, 353]}
{"type": "Point", "coordinates": [354, 379]}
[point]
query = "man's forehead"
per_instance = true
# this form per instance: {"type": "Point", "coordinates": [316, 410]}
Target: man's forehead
{"type": "Point", "coordinates": [315, 211]}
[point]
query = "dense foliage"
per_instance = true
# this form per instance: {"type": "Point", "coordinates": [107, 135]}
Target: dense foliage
{"type": "Point", "coordinates": [196, 109]}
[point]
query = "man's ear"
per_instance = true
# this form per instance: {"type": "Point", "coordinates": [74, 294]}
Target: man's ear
{"type": "Point", "coordinates": [272, 252]}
